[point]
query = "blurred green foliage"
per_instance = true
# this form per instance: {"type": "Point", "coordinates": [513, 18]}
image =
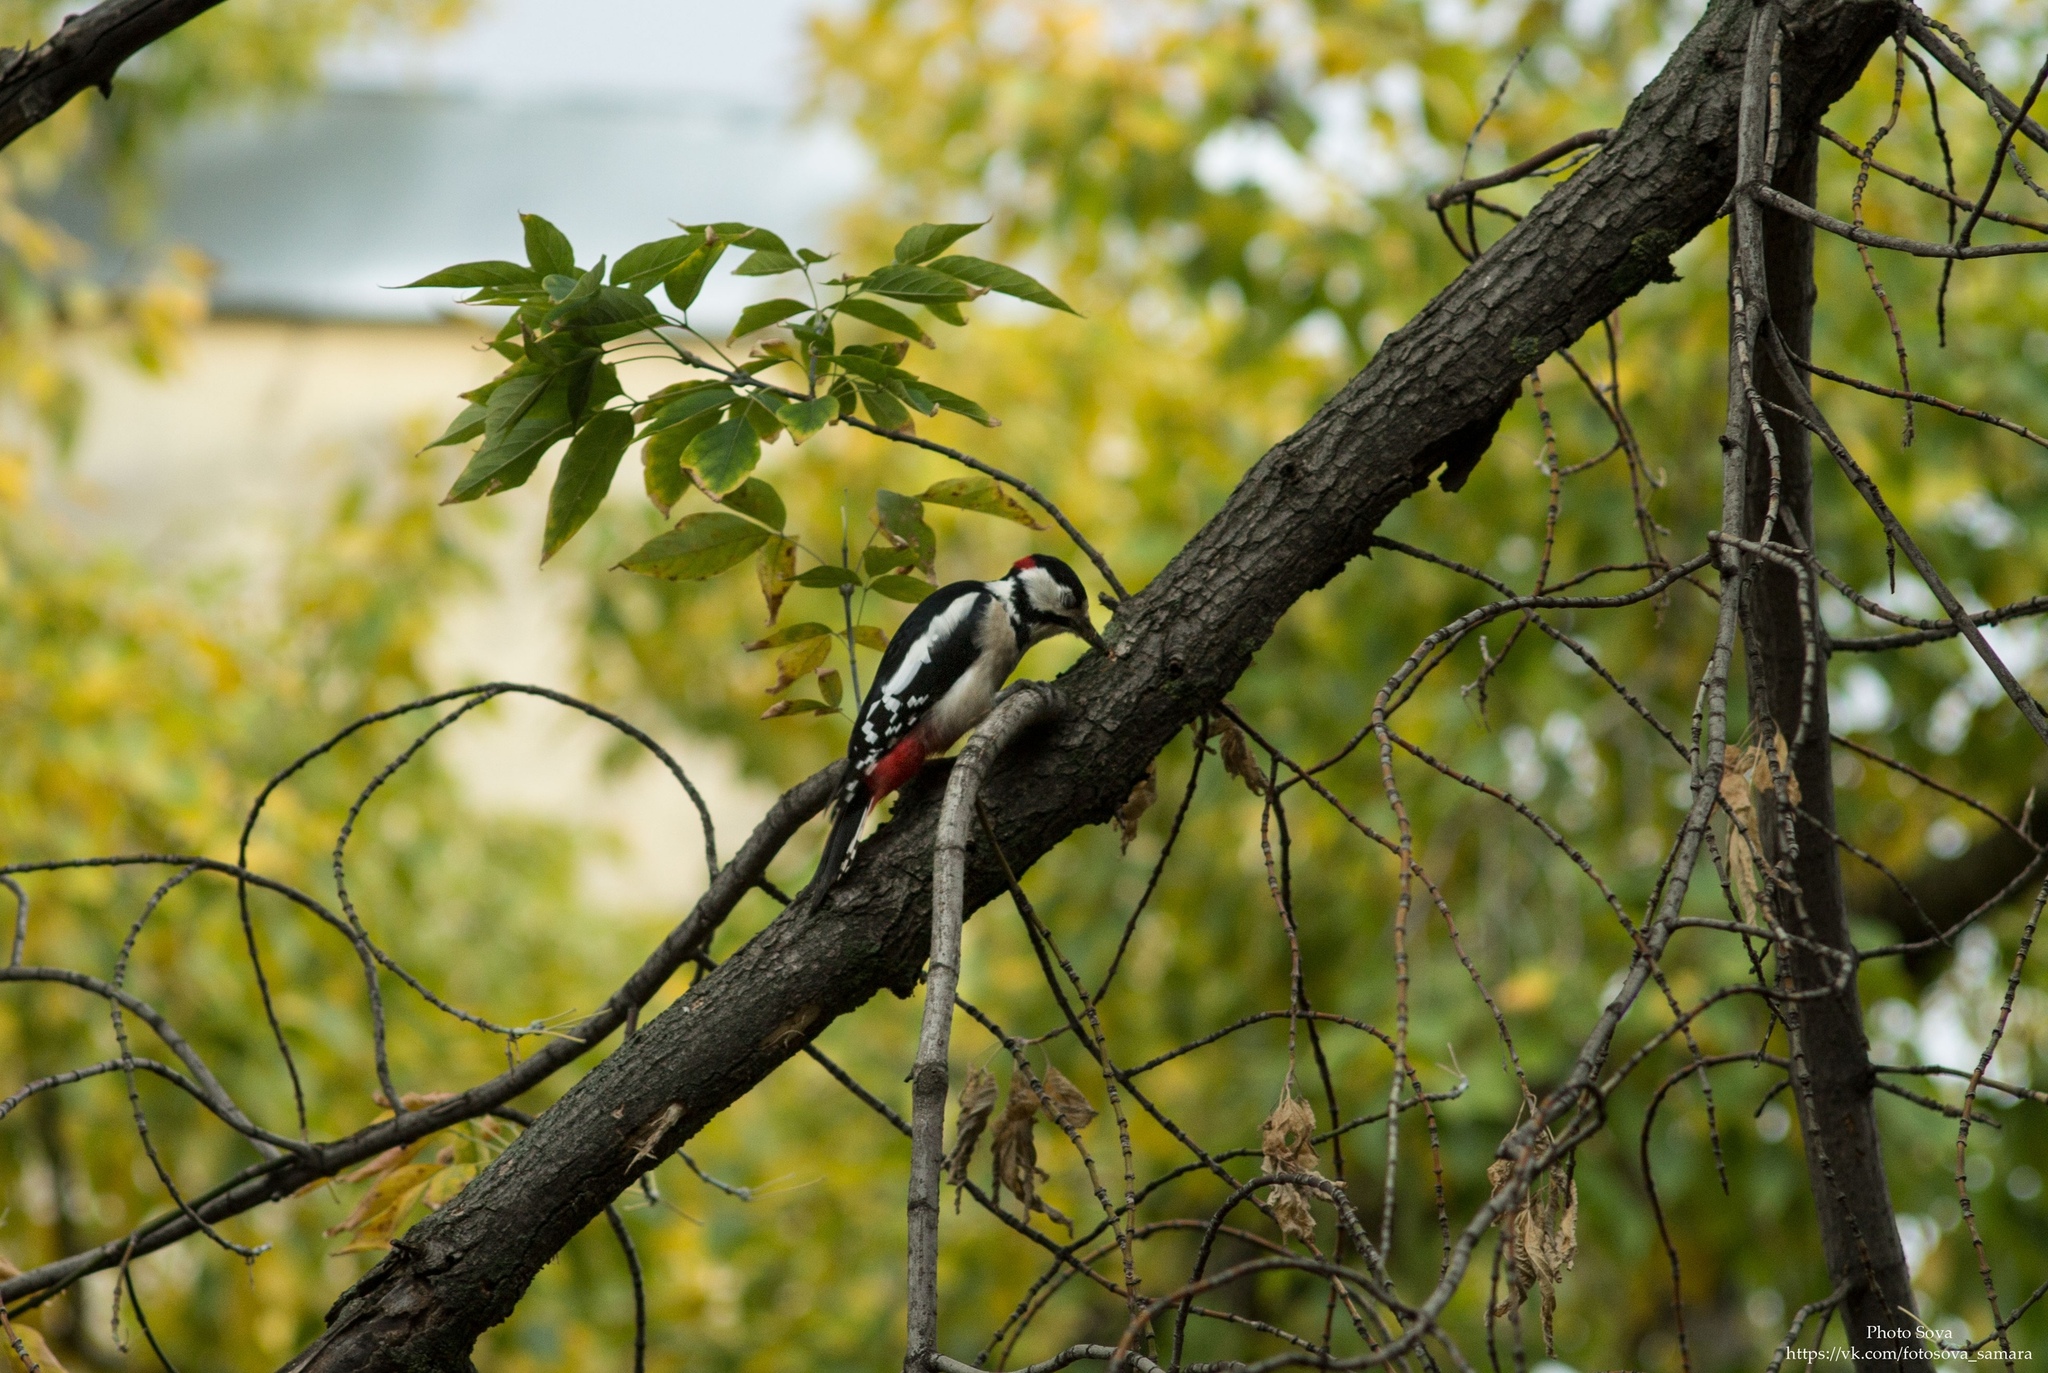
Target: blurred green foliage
{"type": "Point", "coordinates": [1233, 198]}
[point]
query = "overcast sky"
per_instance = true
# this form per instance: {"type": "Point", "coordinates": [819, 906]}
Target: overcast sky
{"type": "Point", "coordinates": [613, 118]}
{"type": "Point", "coordinates": [603, 47]}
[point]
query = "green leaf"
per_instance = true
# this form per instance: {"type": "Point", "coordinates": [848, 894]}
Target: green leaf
{"type": "Point", "coordinates": [683, 284]}
{"type": "Point", "coordinates": [612, 310]}
{"type": "Point", "coordinates": [867, 636]}
{"type": "Point", "coordinates": [724, 454]}
{"type": "Point", "coordinates": [789, 634]}
{"type": "Point", "coordinates": [522, 420]}
{"type": "Point", "coordinates": [462, 428]}
{"type": "Point", "coordinates": [959, 405]}
{"type": "Point", "coordinates": [494, 273]}
{"type": "Point", "coordinates": [866, 367]}
{"type": "Point", "coordinates": [885, 317]}
{"type": "Point", "coordinates": [888, 354]}
{"type": "Point", "coordinates": [994, 276]}
{"type": "Point", "coordinates": [980, 494]}
{"type": "Point", "coordinates": [919, 284]}
{"type": "Point", "coordinates": [663, 477]}
{"type": "Point", "coordinates": [591, 382]}
{"type": "Point", "coordinates": [764, 314]}
{"type": "Point", "coordinates": [703, 545]}
{"type": "Point", "coordinates": [585, 476]}
{"type": "Point", "coordinates": [803, 418]}
{"type": "Point", "coordinates": [911, 392]}
{"type": "Point", "coordinates": [766, 426]}
{"type": "Point", "coordinates": [745, 236]}
{"type": "Point", "coordinates": [883, 558]}
{"type": "Point", "coordinates": [547, 247]}
{"type": "Point", "coordinates": [812, 259]}
{"type": "Point", "coordinates": [558, 285]}
{"type": "Point", "coordinates": [827, 575]}
{"type": "Point", "coordinates": [901, 518]}
{"type": "Point", "coordinates": [829, 687]}
{"type": "Point", "coordinates": [767, 262]}
{"type": "Point", "coordinates": [889, 414]}
{"type": "Point", "coordinates": [672, 445]}
{"type": "Point", "coordinates": [757, 500]}
{"type": "Point", "coordinates": [639, 268]}
{"type": "Point", "coordinates": [652, 406]}
{"type": "Point", "coordinates": [897, 587]}
{"type": "Point", "coordinates": [924, 241]}
{"type": "Point", "coordinates": [688, 404]}
{"type": "Point", "coordinates": [946, 312]}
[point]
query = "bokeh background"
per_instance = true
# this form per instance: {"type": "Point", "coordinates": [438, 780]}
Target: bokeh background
{"type": "Point", "coordinates": [219, 543]}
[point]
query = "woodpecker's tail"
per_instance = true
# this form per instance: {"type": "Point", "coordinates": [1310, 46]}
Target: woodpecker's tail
{"type": "Point", "coordinates": [846, 822]}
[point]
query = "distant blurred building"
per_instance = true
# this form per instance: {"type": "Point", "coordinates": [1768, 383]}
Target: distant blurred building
{"type": "Point", "coordinates": [316, 211]}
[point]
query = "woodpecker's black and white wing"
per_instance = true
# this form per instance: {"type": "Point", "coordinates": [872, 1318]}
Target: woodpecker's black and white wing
{"type": "Point", "coordinates": [934, 647]}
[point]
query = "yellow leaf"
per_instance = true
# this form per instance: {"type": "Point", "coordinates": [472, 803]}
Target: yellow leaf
{"type": "Point", "coordinates": [776, 570]}
{"type": "Point", "coordinates": [445, 1184]}
{"type": "Point", "coordinates": [798, 662]}
{"type": "Point", "coordinates": [382, 1206]}
{"type": "Point", "coordinates": [981, 495]}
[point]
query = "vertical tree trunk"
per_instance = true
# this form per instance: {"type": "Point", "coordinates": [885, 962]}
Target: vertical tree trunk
{"type": "Point", "coordinates": [1858, 1231]}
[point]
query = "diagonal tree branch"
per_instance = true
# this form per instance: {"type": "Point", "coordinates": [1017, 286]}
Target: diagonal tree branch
{"type": "Point", "coordinates": [1431, 400]}
{"type": "Point", "coordinates": [84, 53]}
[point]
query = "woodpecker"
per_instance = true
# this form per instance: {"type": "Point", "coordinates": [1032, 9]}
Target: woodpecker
{"type": "Point", "coordinates": [939, 676]}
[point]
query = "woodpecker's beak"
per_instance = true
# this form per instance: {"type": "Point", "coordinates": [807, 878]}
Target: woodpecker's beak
{"type": "Point", "coordinates": [1085, 628]}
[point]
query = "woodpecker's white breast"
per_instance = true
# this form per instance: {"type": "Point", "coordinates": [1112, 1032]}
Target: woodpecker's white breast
{"type": "Point", "coordinates": [962, 703]}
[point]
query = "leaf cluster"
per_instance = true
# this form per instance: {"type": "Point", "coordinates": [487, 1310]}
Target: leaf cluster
{"type": "Point", "coordinates": [568, 329]}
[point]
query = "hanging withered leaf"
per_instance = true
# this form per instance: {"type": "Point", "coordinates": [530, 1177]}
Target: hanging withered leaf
{"type": "Point", "coordinates": [1064, 1102]}
{"type": "Point", "coordinates": [977, 1100]}
{"type": "Point", "coordinates": [1540, 1237]}
{"type": "Point", "coordinates": [1142, 798]}
{"type": "Point", "coordinates": [1287, 1142]}
{"type": "Point", "coordinates": [1237, 755]}
{"type": "Point", "coordinates": [1745, 779]}
{"type": "Point", "coordinates": [776, 569]}
{"type": "Point", "coordinates": [1016, 1153]}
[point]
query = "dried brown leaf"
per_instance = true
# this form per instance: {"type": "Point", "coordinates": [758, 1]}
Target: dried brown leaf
{"type": "Point", "coordinates": [977, 1100]}
{"type": "Point", "coordinates": [1287, 1142]}
{"type": "Point", "coordinates": [412, 1101]}
{"type": "Point", "coordinates": [1237, 756]}
{"type": "Point", "coordinates": [1064, 1102]}
{"type": "Point", "coordinates": [1142, 798]}
{"type": "Point", "coordinates": [1016, 1153]}
{"type": "Point", "coordinates": [1745, 778]}
{"type": "Point", "coordinates": [643, 1144]}
{"type": "Point", "coordinates": [1540, 1238]}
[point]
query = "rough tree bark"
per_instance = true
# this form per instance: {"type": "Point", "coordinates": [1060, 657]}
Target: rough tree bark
{"type": "Point", "coordinates": [1431, 400]}
{"type": "Point", "coordinates": [1858, 1231]}
{"type": "Point", "coordinates": [85, 52]}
